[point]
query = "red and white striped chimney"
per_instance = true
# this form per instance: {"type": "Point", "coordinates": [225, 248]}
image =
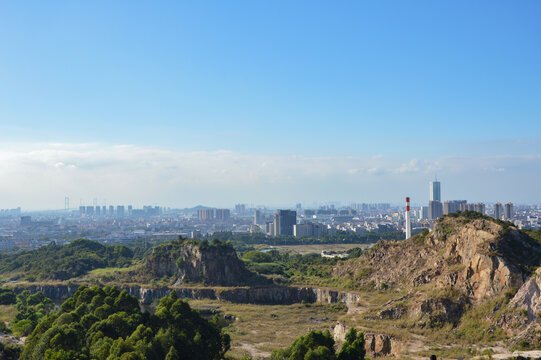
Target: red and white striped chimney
{"type": "Point", "coordinates": [408, 219]}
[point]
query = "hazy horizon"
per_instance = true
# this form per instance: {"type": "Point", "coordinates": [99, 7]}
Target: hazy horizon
{"type": "Point", "coordinates": [180, 104]}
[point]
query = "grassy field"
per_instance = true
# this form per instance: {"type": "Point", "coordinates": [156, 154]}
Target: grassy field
{"type": "Point", "coordinates": [7, 312]}
{"type": "Point", "coordinates": [259, 329]}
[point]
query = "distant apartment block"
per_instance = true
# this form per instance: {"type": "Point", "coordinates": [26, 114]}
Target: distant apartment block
{"type": "Point", "coordinates": [478, 207]}
{"type": "Point", "coordinates": [205, 214]}
{"type": "Point", "coordinates": [308, 229]}
{"type": "Point", "coordinates": [452, 206]}
{"type": "Point", "coordinates": [222, 214]}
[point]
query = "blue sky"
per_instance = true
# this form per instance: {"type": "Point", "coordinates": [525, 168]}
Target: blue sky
{"type": "Point", "coordinates": [371, 85]}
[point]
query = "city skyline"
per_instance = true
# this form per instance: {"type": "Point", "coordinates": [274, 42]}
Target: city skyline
{"type": "Point", "coordinates": [274, 103]}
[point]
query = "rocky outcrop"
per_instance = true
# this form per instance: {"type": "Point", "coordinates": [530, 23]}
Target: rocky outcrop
{"type": "Point", "coordinates": [376, 345]}
{"type": "Point", "coordinates": [435, 312]}
{"type": "Point", "coordinates": [478, 257]}
{"type": "Point", "coordinates": [528, 297]}
{"type": "Point", "coordinates": [198, 262]}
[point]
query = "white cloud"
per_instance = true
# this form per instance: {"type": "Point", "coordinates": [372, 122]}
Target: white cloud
{"type": "Point", "coordinates": [40, 175]}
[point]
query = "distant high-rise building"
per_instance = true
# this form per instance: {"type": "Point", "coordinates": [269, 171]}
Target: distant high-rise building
{"type": "Point", "coordinates": [498, 211]}
{"type": "Point", "coordinates": [222, 214]}
{"type": "Point", "coordinates": [435, 191]}
{"type": "Point", "coordinates": [508, 211]}
{"type": "Point", "coordinates": [205, 214]}
{"type": "Point", "coordinates": [259, 219]}
{"type": "Point", "coordinates": [269, 228]}
{"type": "Point", "coordinates": [90, 210]}
{"type": "Point", "coordinates": [435, 209]}
{"type": "Point", "coordinates": [130, 210]}
{"type": "Point", "coordinates": [120, 211]}
{"type": "Point", "coordinates": [286, 220]}
{"type": "Point", "coordinates": [240, 209]}
{"type": "Point", "coordinates": [424, 212]}
{"type": "Point", "coordinates": [26, 220]}
{"type": "Point", "coordinates": [82, 210]}
{"type": "Point", "coordinates": [111, 210]}
{"type": "Point", "coordinates": [104, 210]}
{"type": "Point", "coordinates": [97, 211]}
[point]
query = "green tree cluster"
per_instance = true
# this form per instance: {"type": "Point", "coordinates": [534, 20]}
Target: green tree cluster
{"type": "Point", "coordinates": [31, 310]}
{"type": "Point", "coordinates": [105, 323]}
{"type": "Point", "coordinates": [62, 262]}
{"type": "Point", "coordinates": [7, 297]}
{"type": "Point", "coordinates": [318, 345]}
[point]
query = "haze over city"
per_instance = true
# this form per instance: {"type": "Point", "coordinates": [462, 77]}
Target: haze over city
{"type": "Point", "coordinates": [268, 103]}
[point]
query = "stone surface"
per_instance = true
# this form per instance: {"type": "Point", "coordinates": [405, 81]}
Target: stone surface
{"type": "Point", "coordinates": [478, 257]}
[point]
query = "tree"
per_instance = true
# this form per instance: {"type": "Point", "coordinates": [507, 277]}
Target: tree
{"type": "Point", "coordinates": [353, 347]}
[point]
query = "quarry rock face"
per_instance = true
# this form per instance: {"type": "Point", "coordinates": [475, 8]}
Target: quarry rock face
{"type": "Point", "coordinates": [197, 263]}
{"type": "Point", "coordinates": [480, 258]}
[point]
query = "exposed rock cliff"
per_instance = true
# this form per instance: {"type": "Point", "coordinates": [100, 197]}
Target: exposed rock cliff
{"type": "Point", "coordinates": [462, 262]}
{"type": "Point", "coordinates": [198, 262]}
{"type": "Point", "coordinates": [479, 257]}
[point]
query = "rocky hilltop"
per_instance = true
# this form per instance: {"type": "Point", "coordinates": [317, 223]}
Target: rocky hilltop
{"type": "Point", "coordinates": [480, 258]}
{"type": "Point", "coordinates": [190, 261]}
{"type": "Point", "coordinates": [464, 263]}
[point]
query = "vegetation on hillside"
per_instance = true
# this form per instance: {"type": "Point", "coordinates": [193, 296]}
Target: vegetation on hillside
{"type": "Point", "coordinates": [104, 323]}
{"type": "Point", "coordinates": [31, 310]}
{"type": "Point", "coordinates": [63, 262]}
{"type": "Point", "coordinates": [309, 269]}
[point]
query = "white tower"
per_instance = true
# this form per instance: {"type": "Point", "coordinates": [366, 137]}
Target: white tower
{"type": "Point", "coordinates": [408, 219]}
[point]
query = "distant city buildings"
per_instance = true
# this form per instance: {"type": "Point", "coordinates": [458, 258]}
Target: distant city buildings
{"type": "Point", "coordinates": [240, 209]}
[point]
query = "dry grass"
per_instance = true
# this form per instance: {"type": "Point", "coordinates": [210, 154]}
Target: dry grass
{"type": "Point", "coordinates": [260, 329]}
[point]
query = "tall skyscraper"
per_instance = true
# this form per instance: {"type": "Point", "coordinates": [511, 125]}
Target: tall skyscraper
{"type": "Point", "coordinates": [498, 210]}
{"type": "Point", "coordinates": [435, 191]}
{"type": "Point", "coordinates": [508, 211]}
{"type": "Point", "coordinates": [435, 207]}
